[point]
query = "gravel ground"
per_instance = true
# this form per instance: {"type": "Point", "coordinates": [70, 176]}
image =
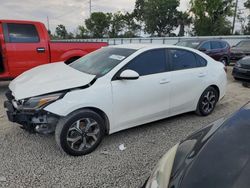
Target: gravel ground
{"type": "Point", "coordinates": [29, 160]}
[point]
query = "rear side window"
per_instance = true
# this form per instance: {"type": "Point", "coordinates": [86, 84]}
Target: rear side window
{"type": "Point", "coordinates": [216, 45]}
{"type": "Point", "coordinates": [21, 33]}
{"type": "Point", "coordinates": [150, 62]}
{"type": "Point", "coordinates": [201, 62]}
{"type": "Point", "coordinates": [182, 59]}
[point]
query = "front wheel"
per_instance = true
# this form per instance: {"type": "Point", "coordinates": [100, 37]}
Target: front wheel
{"type": "Point", "coordinates": [207, 101]}
{"type": "Point", "coordinates": [80, 132]}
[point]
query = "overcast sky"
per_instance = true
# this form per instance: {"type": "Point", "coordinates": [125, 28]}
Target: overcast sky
{"type": "Point", "coordinates": [70, 13]}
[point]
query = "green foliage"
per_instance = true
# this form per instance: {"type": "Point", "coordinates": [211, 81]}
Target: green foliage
{"type": "Point", "coordinates": [159, 16]}
{"type": "Point", "coordinates": [246, 29]}
{"type": "Point", "coordinates": [61, 32]}
{"type": "Point", "coordinates": [98, 24]}
{"type": "Point", "coordinates": [117, 24]}
{"type": "Point", "coordinates": [184, 19]}
{"type": "Point", "coordinates": [210, 16]}
{"type": "Point", "coordinates": [82, 32]}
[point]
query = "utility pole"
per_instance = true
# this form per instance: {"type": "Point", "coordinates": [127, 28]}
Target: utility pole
{"type": "Point", "coordinates": [235, 14]}
{"type": "Point", "coordinates": [90, 8]}
{"type": "Point", "coordinates": [48, 23]}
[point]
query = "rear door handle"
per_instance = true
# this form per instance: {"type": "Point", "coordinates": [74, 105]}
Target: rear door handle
{"type": "Point", "coordinates": [40, 50]}
{"type": "Point", "coordinates": [201, 75]}
{"type": "Point", "coordinates": [164, 81]}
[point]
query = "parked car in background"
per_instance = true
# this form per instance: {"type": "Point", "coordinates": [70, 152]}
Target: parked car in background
{"type": "Point", "coordinates": [26, 44]}
{"type": "Point", "coordinates": [113, 89]}
{"type": "Point", "coordinates": [216, 156]}
{"type": "Point", "coordinates": [240, 50]}
{"type": "Point", "coordinates": [217, 49]}
{"type": "Point", "coordinates": [241, 70]}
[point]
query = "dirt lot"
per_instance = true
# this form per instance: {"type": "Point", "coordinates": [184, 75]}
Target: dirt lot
{"type": "Point", "coordinates": [29, 160]}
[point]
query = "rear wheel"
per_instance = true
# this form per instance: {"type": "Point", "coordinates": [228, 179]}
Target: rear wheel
{"type": "Point", "coordinates": [207, 102]}
{"type": "Point", "coordinates": [80, 132]}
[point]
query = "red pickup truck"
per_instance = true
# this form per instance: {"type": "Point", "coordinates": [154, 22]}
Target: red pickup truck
{"type": "Point", "coordinates": [26, 44]}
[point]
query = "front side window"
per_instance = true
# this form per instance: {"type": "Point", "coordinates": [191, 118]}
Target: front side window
{"type": "Point", "coordinates": [206, 46]}
{"type": "Point", "coordinates": [18, 33]}
{"type": "Point", "coordinates": [182, 59]}
{"type": "Point", "coordinates": [101, 61]}
{"type": "Point", "coordinates": [150, 62]}
{"type": "Point", "coordinates": [215, 45]}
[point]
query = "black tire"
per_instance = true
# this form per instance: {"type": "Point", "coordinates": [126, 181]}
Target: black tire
{"type": "Point", "coordinates": [207, 102]}
{"type": "Point", "coordinates": [74, 129]}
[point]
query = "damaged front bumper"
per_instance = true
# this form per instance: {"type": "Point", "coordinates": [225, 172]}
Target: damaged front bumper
{"type": "Point", "coordinates": [39, 120]}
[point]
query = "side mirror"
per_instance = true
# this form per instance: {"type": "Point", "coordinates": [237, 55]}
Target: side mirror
{"type": "Point", "coordinates": [203, 49]}
{"type": "Point", "coordinates": [129, 75]}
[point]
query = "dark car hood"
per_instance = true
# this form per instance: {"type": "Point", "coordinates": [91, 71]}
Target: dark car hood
{"type": "Point", "coordinates": [216, 156]}
{"type": "Point", "coordinates": [245, 60]}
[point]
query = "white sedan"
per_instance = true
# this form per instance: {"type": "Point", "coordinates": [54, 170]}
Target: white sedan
{"type": "Point", "coordinates": [113, 89]}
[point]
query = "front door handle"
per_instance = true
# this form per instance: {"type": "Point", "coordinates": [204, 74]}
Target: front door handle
{"type": "Point", "coordinates": [40, 50]}
{"type": "Point", "coordinates": [201, 75]}
{"type": "Point", "coordinates": [164, 81]}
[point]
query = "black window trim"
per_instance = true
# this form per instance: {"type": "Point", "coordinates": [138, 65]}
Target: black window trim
{"type": "Point", "coordinates": [167, 65]}
{"type": "Point", "coordinates": [195, 55]}
{"type": "Point", "coordinates": [7, 37]}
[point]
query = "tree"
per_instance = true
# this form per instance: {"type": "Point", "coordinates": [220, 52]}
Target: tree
{"type": "Point", "coordinates": [131, 28]}
{"type": "Point", "coordinates": [82, 32]}
{"type": "Point", "coordinates": [98, 24]}
{"type": "Point", "coordinates": [160, 16]}
{"type": "Point", "coordinates": [210, 16]}
{"type": "Point", "coordinates": [184, 19]}
{"type": "Point", "coordinates": [61, 32]}
{"type": "Point", "coordinates": [116, 24]}
{"type": "Point", "coordinates": [247, 27]}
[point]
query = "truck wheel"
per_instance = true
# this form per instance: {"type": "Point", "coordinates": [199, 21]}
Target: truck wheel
{"type": "Point", "coordinates": [80, 132]}
{"type": "Point", "coordinates": [207, 102]}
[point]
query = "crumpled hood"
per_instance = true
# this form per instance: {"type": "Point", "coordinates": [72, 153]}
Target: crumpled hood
{"type": "Point", "coordinates": [46, 79]}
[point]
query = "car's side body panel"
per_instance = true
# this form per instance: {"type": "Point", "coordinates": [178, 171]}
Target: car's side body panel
{"type": "Point", "coordinates": [26, 44]}
{"type": "Point", "coordinates": [129, 103]}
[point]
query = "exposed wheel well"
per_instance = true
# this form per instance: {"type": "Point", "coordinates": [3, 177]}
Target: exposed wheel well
{"type": "Point", "coordinates": [216, 88]}
{"type": "Point", "coordinates": [70, 60]}
{"type": "Point", "coordinates": [102, 114]}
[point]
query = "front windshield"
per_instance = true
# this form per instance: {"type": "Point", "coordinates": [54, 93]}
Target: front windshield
{"type": "Point", "coordinates": [244, 44]}
{"type": "Point", "coordinates": [101, 61]}
{"type": "Point", "coordinates": [189, 43]}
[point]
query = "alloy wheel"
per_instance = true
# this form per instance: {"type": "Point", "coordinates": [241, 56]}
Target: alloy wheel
{"type": "Point", "coordinates": [83, 134]}
{"type": "Point", "coordinates": [208, 102]}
